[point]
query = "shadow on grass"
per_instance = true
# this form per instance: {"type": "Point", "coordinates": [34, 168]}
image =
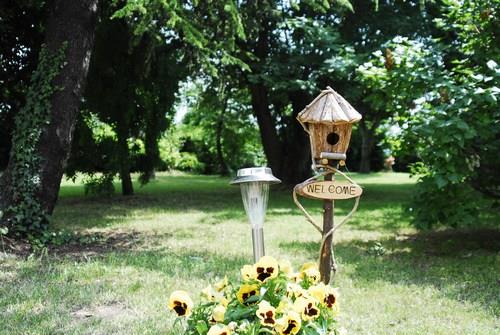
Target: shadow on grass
{"type": "Point", "coordinates": [461, 264]}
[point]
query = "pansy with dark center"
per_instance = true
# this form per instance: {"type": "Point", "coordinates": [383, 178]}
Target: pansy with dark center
{"type": "Point", "coordinates": [247, 291]}
{"type": "Point", "coordinates": [219, 330]}
{"type": "Point", "coordinates": [181, 303]}
{"type": "Point", "coordinates": [263, 274]}
{"type": "Point", "coordinates": [289, 324]}
{"type": "Point", "coordinates": [266, 268]}
{"type": "Point", "coordinates": [248, 294]}
{"type": "Point", "coordinates": [291, 327]}
{"type": "Point", "coordinates": [307, 307]}
{"type": "Point", "coordinates": [266, 313]}
{"type": "Point", "coordinates": [180, 308]}
{"type": "Point", "coordinates": [311, 310]}
{"type": "Point", "coordinates": [330, 300]}
{"type": "Point", "coordinates": [268, 318]}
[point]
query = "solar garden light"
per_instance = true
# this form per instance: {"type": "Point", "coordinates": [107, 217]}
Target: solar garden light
{"type": "Point", "coordinates": [254, 184]}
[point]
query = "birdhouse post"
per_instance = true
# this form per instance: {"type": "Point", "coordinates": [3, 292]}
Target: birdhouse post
{"type": "Point", "coordinates": [328, 120]}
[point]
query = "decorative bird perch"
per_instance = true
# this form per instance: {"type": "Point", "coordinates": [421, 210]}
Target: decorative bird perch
{"type": "Point", "coordinates": [328, 120]}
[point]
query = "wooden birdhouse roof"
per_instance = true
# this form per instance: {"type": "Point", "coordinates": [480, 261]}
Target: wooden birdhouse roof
{"type": "Point", "coordinates": [330, 108]}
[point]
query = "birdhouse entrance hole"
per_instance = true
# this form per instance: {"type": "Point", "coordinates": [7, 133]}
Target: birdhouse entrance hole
{"type": "Point", "coordinates": [332, 138]}
{"type": "Point", "coordinates": [328, 120]}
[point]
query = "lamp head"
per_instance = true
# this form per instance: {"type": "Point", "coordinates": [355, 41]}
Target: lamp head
{"type": "Point", "coordinates": [254, 184]}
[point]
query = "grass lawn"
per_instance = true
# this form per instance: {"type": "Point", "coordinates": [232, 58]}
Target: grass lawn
{"type": "Point", "coordinates": [183, 232]}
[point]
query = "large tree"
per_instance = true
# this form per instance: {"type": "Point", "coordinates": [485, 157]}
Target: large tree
{"type": "Point", "coordinates": [444, 93]}
{"type": "Point", "coordinates": [364, 34]}
{"type": "Point", "coordinates": [21, 35]}
{"type": "Point", "coordinates": [300, 48]}
{"type": "Point", "coordinates": [132, 84]}
{"type": "Point", "coordinates": [44, 127]}
{"type": "Point", "coordinates": [289, 44]}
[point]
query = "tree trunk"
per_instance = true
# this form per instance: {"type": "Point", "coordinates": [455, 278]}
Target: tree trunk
{"type": "Point", "coordinates": [268, 134]}
{"type": "Point", "coordinates": [71, 23]}
{"type": "Point", "coordinates": [298, 150]}
{"type": "Point", "coordinates": [152, 151]}
{"type": "Point", "coordinates": [124, 157]}
{"type": "Point", "coordinates": [223, 169]}
{"type": "Point", "coordinates": [367, 144]}
{"type": "Point", "coordinates": [260, 104]}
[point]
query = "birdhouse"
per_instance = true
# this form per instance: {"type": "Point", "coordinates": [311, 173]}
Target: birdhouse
{"type": "Point", "coordinates": [328, 120]}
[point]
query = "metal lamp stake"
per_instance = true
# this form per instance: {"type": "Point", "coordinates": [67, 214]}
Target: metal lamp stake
{"type": "Point", "coordinates": [254, 184]}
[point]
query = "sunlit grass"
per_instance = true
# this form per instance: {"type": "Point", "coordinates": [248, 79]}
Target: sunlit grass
{"type": "Point", "coordinates": [183, 231]}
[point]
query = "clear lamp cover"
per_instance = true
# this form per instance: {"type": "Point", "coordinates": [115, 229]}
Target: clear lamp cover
{"type": "Point", "coordinates": [255, 196]}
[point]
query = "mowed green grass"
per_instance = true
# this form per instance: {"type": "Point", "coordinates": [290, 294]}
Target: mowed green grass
{"type": "Point", "coordinates": [184, 232]}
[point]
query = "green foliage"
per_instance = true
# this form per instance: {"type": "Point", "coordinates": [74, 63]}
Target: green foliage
{"type": "Point", "coordinates": [454, 205]}
{"type": "Point", "coordinates": [21, 28]}
{"type": "Point", "coordinates": [99, 184]}
{"type": "Point", "coordinates": [170, 145]}
{"type": "Point", "coordinates": [129, 100]}
{"type": "Point", "coordinates": [209, 28]}
{"type": "Point", "coordinates": [26, 216]}
{"type": "Point", "coordinates": [445, 98]}
{"type": "Point", "coordinates": [283, 301]}
{"type": "Point", "coordinates": [188, 161]}
{"type": "Point", "coordinates": [399, 73]}
{"type": "Point", "coordinates": [220, 131]}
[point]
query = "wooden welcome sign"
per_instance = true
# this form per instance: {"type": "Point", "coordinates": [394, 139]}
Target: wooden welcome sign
{"type": "Point", "coordinates": [329, 190]}
{"type": "Point", "coordinates": [328, 121]}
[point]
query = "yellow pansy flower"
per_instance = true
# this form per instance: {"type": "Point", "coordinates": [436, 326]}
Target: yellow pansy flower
{"type": "Point", "coordinates": [210, 294]}
{"type": "Point", "coordinates": [307, 308]}
{"type": "Point", "coordinates": [331, 300]}
{"type": "Point", "coordinates": [181, 303]}
{"type": "Point", "coordinates": [331, 296]}
{"type": "Point", "coordinates": [284, 306]}
{"type": "Point", "coordinates": [311, 272]}
{"type": "Point", "coordinates": [219, 330]}
{"type": "Point", "coordinates": [318, 291]}
{"type": "Point", "coordinates": [246, 291]}
{"type": "Point", "coordinates": [221, 285]}
{"type": "Point", "coordinates": [218, 313]}
{"type": "Point", "coordinates": [286, 267]}
{"type": "Point", "coordinates": [288, 324]}
{"type": "Point", "coordinates": [294, 290]}
{"type": "Point", "coordinates": [222, 300]}
{"type": "Point", "coordinates": [325, 294]}
{"type": "Point", "coordinates": [266, 314]}
{"type": "Point", "coordinates": [295, 277]}
{"type": "Point", "coordinates": [267, 267]}
{"type": "Point", "coordinates": [248, 272]}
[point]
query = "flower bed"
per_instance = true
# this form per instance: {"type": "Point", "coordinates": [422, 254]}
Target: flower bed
{"type": "Point", "coordinates": [271, 299]}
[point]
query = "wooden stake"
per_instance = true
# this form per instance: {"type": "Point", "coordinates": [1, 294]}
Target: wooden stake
{"type": "Point", "coordinates": [325, 266]}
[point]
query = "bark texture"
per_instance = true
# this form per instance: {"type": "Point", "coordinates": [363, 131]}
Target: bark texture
{"type": "Point", "coordinates": [287, 155]}
{"type": "Point", "coordinates": [71, 23]}
{"type": "Point", "coordinates": [268, 134]}
{"type": "Point", "coordinates": [223, 168]}
{"type": "Point", "coordinates": [125, 177]}
{"type": "Point", "coordinates": [297, 161]}
{"type": "Point", "coordinates": [326, 262]}
{"type": "Point", "coordinates": [367, 145]}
